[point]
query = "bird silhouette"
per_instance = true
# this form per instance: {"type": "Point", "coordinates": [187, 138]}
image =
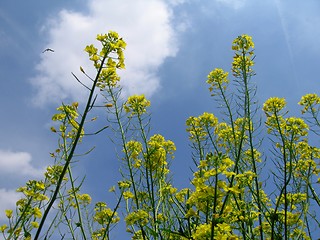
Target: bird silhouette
{"type": "Point", "coordinates": [48, 50]}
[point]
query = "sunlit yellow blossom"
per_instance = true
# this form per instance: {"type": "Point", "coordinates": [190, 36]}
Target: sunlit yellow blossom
{"type": "Point", "coordinates": [8, 213]}
{"type": "Point", "coordinates": [35, 224]}
{"type": "Point", "coordinates": [133, 148]}
{"type": "Point", "coordinates": [108, 78]}
{"type": "Point", "coordinates": [168, 189]}
{"type": "Point", "coordinates": [128, 194]}
{"type": "Point", "coordinates": [104, 215]}
{"type": "Point", "coordinates": [309, 101]}
{"type": "Point", "coordinates": [199, 127]}
{"type": "Point", "coordinates": [234, 189]}
{"type": "Point", "coordinates": [243, 58]}
{"type": "Point", "coordinates": [108, 59]}
{"type": "Point", "coordinates": [295, 126]}
{"type": "Point", "coordinates": [274, 105]}
{"type": "Point", "coordinates": [91, 50]}
{"type": "Point", "coordinates": [138, 217]}
{"type": "Point", "coordinates": [241, 66]}
{"type": "Point", "coordinates": [3, 228]}
{"type": "Point", "coordinates": [218, 79]}
{"type": "Point", "coordinates": [203, 232]}
{"type": "Point", "coordinates": [37, 213]}
{"type": "Point", "coordinates": [252, 154]}
{"type": "Point", "coordinates": [124, 184]}
{"type": "Point", "coordinates": [242, 42]}
{"type": "Point", "coordinates": [84, 198]}
{"type": "Point", "coordinates": [159, 150]}
{"type": "Point", "coordinates": [191, 213]}
{"type": "Point", "coordinates": [136, 105]}
{"type": "Point", "coordinates": [180, 196]}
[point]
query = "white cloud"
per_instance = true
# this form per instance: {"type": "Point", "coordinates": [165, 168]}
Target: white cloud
{"type": "Point", "coordinates": [8, 198]}
{"type": "Point", "coordinates": [144, 24]}
{"type": "Point", "coordinates": [14, 168]}
{"type": "Point", "coordinates": [17, 164]}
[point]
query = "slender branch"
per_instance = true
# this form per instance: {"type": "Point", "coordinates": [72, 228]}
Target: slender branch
{"type": "Point", "coordinates": [73, 148]}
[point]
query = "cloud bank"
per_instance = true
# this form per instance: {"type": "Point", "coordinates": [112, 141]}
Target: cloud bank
{"type": "Point", "coordinates": [146, 26]}
{"type": "Point", "coordinates": [14, 166]}
{"type": "Point", "coordinates": [13, 162]}
{"type": "Point", "coordinates": [8, 199]}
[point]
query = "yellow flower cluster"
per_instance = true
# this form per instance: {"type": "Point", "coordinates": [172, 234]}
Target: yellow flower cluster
{"type": "Point", "coordinates": [124, 184]}
{"type": "Point", "coordinates": [127, 195]}
{"type": "Point", "coordinates": [159, 150]}
{"type": "Point", "coordinates": [306, 164]}
{"type": "Point", "coordinates": [211, 184]}
{"type": "Point", "coordinates": [217, 79]}
{"type": "Point", "coordinates": [139, 217]}
{"type": "Point", "coordinates": [293, 198]}
{"type": "Point", "coordinates": [274, 105]}
{"type": "Point", "coordinates": [292, 127]}
{"type": "Point", "coordinates": [309, 101]}
{"type": "Point", "coordinates": [84, 199]}
{"type": "Point", "coordinates": [203, 232]}
{"type": "Point", "coordinates": [295, 127]}
{"type": "Point", "coordinates": [67, 116]}
{"type": "Point", "coordinates": [53, 173]}
{"type": "Point", "coordinates": [243, 59]}
{"type": "Point", "coordinates": [104, 215]}
{"type": "Point", "coordinates": [243, 43]}
{"type": "Point", "coordinates": [109, 59]}
{"type": "Point", "coordinates": [229, 136]}
{"type": "Point", "coordinates": [134, 149]}
{"type": "Point", "coordinates": [136, 105]}
{"type": "Point", "coordinates": [33, 189]}
{"type": "Point", "coordinates": [28, 210]}
{"type": "Point", "coordinates": [198, 127]}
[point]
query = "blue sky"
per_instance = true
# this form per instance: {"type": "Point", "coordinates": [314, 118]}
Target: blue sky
{"type": "Point", "coordinates": [172, 46]}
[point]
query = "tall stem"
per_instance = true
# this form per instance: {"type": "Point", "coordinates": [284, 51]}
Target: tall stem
{"type": "Point", "coordinates": [72, 150]}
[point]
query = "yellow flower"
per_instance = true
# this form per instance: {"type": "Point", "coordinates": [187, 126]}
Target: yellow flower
{"type": "Point", "coordinates": [139, 216]}
{"type": "Point", "coordinates": [203, 231]}
{"type": "Point", "coordinates": [136, 104]}
{"type": "Point", "coordinates": [124, 184]}
{"type": "Point", "coordinates": [243, 42]}
{"type": "Point", "coordinates": [217, 79]}
{"type": "Point", "coordinates": [309, 101]}
{"type": "Point", "coordinates": [104, 215]}
{"type": "Point", "coordinates": [35, 224]}
{"type": "Point", "coordinates": [8, 213]}
{"type": "Point", "coordinates": [296, 126]}
{"type": "Point", "coordinates": [133, 148]}
{"type": "Point", "coordinates": [127, 195]}
{"type": "Point", "coordinates": [85, 198]}
{"type": "Point", "coordinates": [274, 105]}
{"type": "Point", "coordinates": [198, 127]}
{"type": "Point", "coordinates": [37, 213]}
{"type": "Point", "coordinates": [3, 228]}
{"type": "Point", "coordinates": [159, 150]}
{"type": "Point", "coordinates": [243, 59]}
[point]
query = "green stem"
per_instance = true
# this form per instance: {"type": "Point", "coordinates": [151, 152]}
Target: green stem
{"type": "Point", "coordinates": [127, 155]}
{"type": "Point", "coordinates": [248, 117]}
{"type": "Point", "coordinates": [73, 148]}
{"type": "Point", "coordinates": [21, 217]}
{"type": "Point", "coordinates": [74, 192]}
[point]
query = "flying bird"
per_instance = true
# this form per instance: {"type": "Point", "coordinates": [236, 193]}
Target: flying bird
{"type": "Point", "coordinates": [48, 50]}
